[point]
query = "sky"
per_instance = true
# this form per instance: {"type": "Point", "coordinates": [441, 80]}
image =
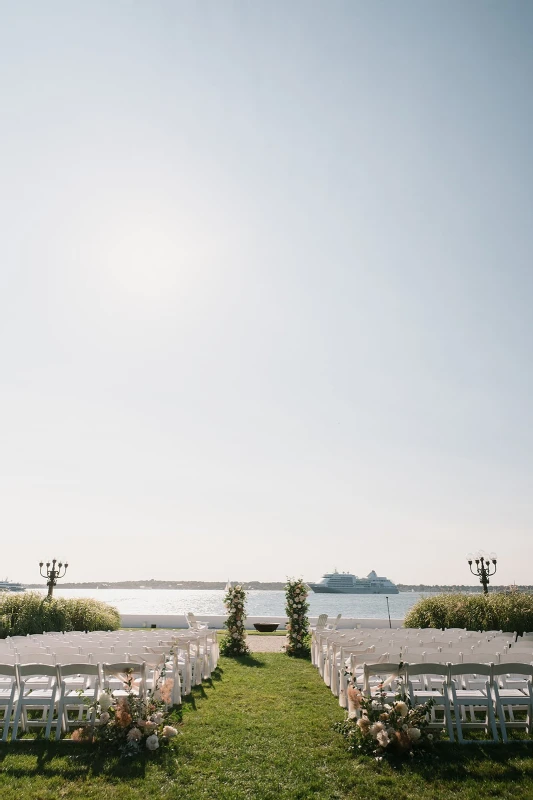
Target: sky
{"type": "Point", "coordinates": [265, 288]}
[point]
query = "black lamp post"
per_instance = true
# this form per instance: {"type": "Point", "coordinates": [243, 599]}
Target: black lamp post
{"type": "Point", "coordinates": [484, 564]}
{"type": "Point", "coordinates": [53, 574]}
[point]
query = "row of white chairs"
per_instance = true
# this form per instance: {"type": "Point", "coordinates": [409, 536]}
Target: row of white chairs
{"type": "Point", "coordinates": [99, 645]}
{"type": "Point", "coordinates": [195, 653]}
{"type": "Point", "coordinates": [64, 696]}
{"type": "Point", "coordinates": [475, 696]}
{"type": "Point", "coordinates": [335, 652]}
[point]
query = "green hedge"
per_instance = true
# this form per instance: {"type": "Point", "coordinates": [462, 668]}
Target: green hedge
{"type": "Point", "coordinates": [30, 612]}
{"type": "Point", "coordinates": [512, 611]}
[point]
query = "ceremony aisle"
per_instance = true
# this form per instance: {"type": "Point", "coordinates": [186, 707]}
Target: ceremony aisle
{"type": "Point", "coordinates": [260, 730]}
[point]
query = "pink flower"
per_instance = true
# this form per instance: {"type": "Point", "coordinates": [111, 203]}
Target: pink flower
{"type": "Point", "coordinates": [166, 691]}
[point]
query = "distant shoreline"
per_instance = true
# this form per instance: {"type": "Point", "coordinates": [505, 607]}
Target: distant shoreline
{"type": "Point", "coordinates": [252, 585]}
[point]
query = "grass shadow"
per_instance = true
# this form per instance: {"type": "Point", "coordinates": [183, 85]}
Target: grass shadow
{"type": "Point", "coordinates": [453, 762]}
{"type": "Point", "coordinates": [82, 761]}
{"type": "Point", "coordinates": [250, 661]}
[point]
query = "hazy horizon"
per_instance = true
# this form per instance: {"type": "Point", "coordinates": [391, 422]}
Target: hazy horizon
{"type": "Point", "coordinates": [266, 288]}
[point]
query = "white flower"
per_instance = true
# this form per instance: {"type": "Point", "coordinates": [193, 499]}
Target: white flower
{"type": "Point", "coordinates": [401, 708]}
{"type": "Point", "coordinates": [105, 700]}
{"type": "Point", "coordinates": [169, 731]}
{"type": "Point", "coordinates": [152, 743]}
{"type": "Point", "coordinates": [157, 718]}
{"type": "Point", "coordinates": [134, 735]}
{"type": "Point", "coordinates": [104, 718]}
{"type": "Point", "coordinates": [383, 739]}
{"type": "Point", "coordinates": [430, 737]}
{"type": "Point", "coordinates": [376, 728]}
{"type": "Point", "coordinates": [414, 734]}
{"type": "Point", "coordinates": [376, 705]}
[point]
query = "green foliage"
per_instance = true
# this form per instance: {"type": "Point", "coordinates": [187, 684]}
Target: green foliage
{"type": "Point", "coordinates": [506, 611]}
{"type": "Point", "coordinates": [296, 608]}
{"type": "Point", "coordinates": [22, 614]}
{"type": "Point", "coordinates": [234, 641]}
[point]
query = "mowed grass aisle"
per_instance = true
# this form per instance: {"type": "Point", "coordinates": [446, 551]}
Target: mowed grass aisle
{"type": "Point", "coordinates": [262, 729]}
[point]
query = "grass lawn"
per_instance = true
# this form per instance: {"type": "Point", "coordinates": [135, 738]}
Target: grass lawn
{"type": "Point", "coordinates": [261, 730]}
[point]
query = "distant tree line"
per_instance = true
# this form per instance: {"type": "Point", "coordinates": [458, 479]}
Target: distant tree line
{"type": "Point", "coordinates": [262, 585]}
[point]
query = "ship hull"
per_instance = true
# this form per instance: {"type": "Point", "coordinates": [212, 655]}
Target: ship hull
{"type": "Point", "coordinates": [354, 590]}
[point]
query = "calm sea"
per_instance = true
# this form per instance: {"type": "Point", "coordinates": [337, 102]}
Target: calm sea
{"type": "Point", "coordinates": [260, 603]}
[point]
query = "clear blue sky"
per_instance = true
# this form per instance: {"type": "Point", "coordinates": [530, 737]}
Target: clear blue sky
{"type": "Point", "coordinates": [265, 288]}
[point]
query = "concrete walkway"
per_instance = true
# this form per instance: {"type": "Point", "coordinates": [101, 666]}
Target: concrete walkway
{"type": "Point", "coordinates": [266, 644]}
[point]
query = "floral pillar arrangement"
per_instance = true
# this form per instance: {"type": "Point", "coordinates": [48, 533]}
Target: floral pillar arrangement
{"type": "Point", "coordinates": [296, 609]}
{"type": "Point", "coordinates": [234, 641]}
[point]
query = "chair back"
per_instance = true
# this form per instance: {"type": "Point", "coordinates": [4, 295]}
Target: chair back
{"type": "Point", "coordinates": [78, 669]}
{"type": "Point", "coordinates": [387, 671]}
{"type": "Point", "coordinates": [121, 671]}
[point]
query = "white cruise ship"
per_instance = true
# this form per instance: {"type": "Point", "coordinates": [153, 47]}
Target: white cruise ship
{"type": "Point", "coordinates": [7, 586]}
{"type": "Point", "coordinates": [346, 583]}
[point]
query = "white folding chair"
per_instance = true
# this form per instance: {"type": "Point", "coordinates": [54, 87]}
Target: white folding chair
{"type": "Point", "coordinates": [116, 676]}
{"type": "Point", "coordinates": [427, 682]}
{"type": "Point", "coordinates": [37, 693]}
{"type": "Point", "coordinates": [153, 662]}
{"type": "Point", "coordinates": [8, 696]}
{"type": "Point", "coordinates": [512, 686]}
{"type": "Point", "coordinates": [382, 676]}
{"type": "Point", "coordinates": [195, 624]}
{"type": "Point", "coordinates": [79, 686]}
{"type": "Point", "coordinates": [469, 690]}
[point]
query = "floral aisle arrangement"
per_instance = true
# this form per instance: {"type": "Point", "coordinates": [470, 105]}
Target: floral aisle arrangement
{"type": "Point", "coordinates": [376, 727]}
{"type": "Point", "coordinates": [296, 608]}
{"type": "Point", "coordinates": [130, 723]}
{"type": "Point", "coordinates": [234, 641]}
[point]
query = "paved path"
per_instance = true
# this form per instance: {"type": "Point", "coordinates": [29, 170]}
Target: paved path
{"type": "Point", "coordinates": [266, 644]}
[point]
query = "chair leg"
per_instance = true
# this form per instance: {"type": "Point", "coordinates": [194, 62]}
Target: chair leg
{"type": "Point", "coordinates": [448, 717]}
{"type": "Point", "coordinates": [176, 689]}
{"type": "Point", "coordinates": [343, 688]}
{"type": "Point", "coordinates": [457, 711]}
{"type": "Point", "coordinates": [16, 721]}
{"type": "Point", "coordinates": [50, 718]}
{"type": "Point", "coordinates": [492, 721]}
{"type": "Point", "coordinates": [501, 717]}
{"type": "Point", "coordinates": [7, 718]}
{"type": "Point", "coordinates": [459, 727]}
{"type": "Point", "coordinates": [62, 719]}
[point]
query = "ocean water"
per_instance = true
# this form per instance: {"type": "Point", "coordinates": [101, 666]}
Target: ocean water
{"type": "Point", "coordinates": [260, 603]}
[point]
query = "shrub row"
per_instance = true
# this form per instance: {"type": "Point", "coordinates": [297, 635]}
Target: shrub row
{"type": "Point", "coordinates": [22, 614]}
{"type": "Point", "coordinates": [500, 611]}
